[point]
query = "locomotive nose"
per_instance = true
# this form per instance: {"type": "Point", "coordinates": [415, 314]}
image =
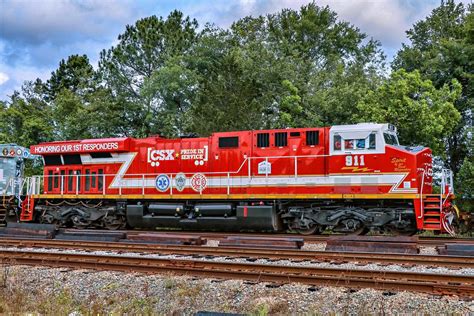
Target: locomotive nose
{"type": "Point", "coordinates": [424, 167]}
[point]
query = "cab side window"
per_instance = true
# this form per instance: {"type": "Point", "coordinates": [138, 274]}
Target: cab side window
{"type": "Point", "coordinates": [349, 144]}
{"type": "Point", "coordinates": [360, 144]}
{"type": "Point", "coordinates": [355, 144]}
{"type": "Point", "coordinates": [368, 143]}
{"type": "Point", "coordinates": [337, 142]}
{"type": "Point", "coordinates": [372, 141]}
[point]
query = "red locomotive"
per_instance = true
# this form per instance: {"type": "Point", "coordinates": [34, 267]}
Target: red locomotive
{"type": "Point", "coordinates": [348, 178]}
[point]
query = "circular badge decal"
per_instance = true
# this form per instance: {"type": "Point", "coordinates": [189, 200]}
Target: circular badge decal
{"type": "Point", "coordinates": [180, 181]}
{"type": "Point", "coordinates": [162, 182]}
{"type": "Point", "coordinates": [199, 182]}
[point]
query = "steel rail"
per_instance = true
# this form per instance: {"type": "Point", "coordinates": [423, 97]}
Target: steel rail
{"type": "Point", "coordinates": [250, 253]}
{"type": "Point", "coordinates": [460, 285]}
{"type": "Point", "coordinates": [422, 240]}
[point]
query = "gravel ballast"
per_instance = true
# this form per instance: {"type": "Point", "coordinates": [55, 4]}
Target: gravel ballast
{"type": "Point", "coordinates": [60, 291]}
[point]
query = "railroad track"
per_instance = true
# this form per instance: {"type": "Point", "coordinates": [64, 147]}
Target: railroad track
{"type": "Point", "coordinates": [280, 274]}
{"type": "Point", "coordinates": [422, 240]}
{"type": "Point", "coordinates": [247, 253]}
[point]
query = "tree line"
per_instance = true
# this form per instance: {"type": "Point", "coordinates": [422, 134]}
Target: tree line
{"type": "Point", "coordinates": [294, 68]}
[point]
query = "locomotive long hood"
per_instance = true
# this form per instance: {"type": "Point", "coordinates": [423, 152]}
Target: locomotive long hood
{"type": "Point", "coordinates": [82, 146]}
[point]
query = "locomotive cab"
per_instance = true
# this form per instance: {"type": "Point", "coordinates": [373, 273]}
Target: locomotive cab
{"type": "Point", "coordinates": [11, 168]}
{"type": "Point", "coordinates": [11, 178]}
{"type": "Point", "coordinates": [369, 148]}
{"type": "Point", "coordinates": [367, 138]}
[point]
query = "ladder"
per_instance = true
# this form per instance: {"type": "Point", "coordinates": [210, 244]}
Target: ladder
{"type": "Point", "coordinates": [432, 212]}
{"type": "Point", "coordinates": [433, 205]}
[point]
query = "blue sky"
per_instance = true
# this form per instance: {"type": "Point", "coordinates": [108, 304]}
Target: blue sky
{"type": "Point", "coordinates": [36, 34]}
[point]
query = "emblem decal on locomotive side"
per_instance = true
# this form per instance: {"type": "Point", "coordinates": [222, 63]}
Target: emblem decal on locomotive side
{"type": "Point", "coordinates": [264, 167]}
{"type": "Point", "coordinates": [154, 156]}
{"type": "Point", "coordinates": [162, 182]}
{"type": "Point", "coordinates": [180, 181]}
{"type": "Point", "coordinates": [198, 182]}
{"type": "Point", "coordinates": [199, 155]}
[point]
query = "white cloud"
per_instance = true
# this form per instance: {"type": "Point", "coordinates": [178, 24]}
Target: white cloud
{"type": "Point", "coordinates": [36, 34]}
{"type": "Point", "coordinates": [3, 78]}
{"type": "Point", "coordinates": [36, 21]}
{"type": "Point", "coordinates": [384, 20]}
{"type": "Point", "coordinates": [17, 75]}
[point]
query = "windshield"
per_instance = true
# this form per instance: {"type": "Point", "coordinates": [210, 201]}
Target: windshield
{"type": "Point", "coordinates": [390, 139]}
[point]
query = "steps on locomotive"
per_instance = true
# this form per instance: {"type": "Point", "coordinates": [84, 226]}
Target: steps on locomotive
{"type": "Point", "coordinates": [432, 212]}
{"type": "Point", "coordinates": [3, 215]}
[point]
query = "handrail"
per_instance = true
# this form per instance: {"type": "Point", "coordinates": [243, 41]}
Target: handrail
{"type": "Point", "coordinates": [441, 192]}
{"type": "Point", "coordinates": [141, 180]}
{"type": "Point", "coordinates": [447, 180]}
{"type": "Point", "coordinates": [4, 196]}
{"type": "Point", "coordinates": [422, 208]}
{"type": "Point", "coordinates": [141, 176]}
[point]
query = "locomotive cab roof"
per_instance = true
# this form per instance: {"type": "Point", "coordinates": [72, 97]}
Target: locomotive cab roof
{"type": "Point", "coordinates": [363, 127]}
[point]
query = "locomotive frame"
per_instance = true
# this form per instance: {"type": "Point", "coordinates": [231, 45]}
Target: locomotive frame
{"type": "Point", "coordinates": [350, 178]}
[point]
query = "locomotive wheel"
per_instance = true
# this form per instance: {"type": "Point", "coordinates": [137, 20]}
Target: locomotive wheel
{"type": "Point", "coordinates": [12, 217]}
{"type": "Point", "coordinates": [48, 218]}
{"type": "Point", "coordinates": [114, 222]}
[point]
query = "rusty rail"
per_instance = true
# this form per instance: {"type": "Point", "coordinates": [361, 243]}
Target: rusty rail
{"type": "Point", "coordinates": [460, 285]}
{"type": "Point", "coordinates": [422, 240]}
{"type": "Point", "coordinates": [272, 254]}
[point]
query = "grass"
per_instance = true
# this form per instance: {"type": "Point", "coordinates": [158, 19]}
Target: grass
{"type": "Point", "coordinates": [16, 298]}
{"type": "Point", "coordinates": [23, 292]}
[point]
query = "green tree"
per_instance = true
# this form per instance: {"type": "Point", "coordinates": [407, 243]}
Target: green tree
{"type": "Point", "coordinates": [423, 114]}
{"type": "Point", "coordinates": [290, 106]}
{"type": "Point", "coordinates": [65, 92]}
{"type": "Point", "coordinates": [333, 63]}
{"type": "Point", "coordinates": [442, 49]}
{"type": "Point", "coordinates": [80, 106]}
{"type": "Point", "coordinates": [235, 84]}
{"type": "Point", "coordinates": [75, 74]}
{"type": "Point", "coordinates": [143, 49]}
{"type": "Point", "coordinates": [25, 117]}
{"type": "Point", "coordinates": [465, 184]}
{"type": "Point", "coordinates": [292, 68]}
{"type": "Point", "coordinates": [174, 86]}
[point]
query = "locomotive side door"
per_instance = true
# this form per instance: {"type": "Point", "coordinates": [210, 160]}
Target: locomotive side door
{"type": "Point", "coordinates": [53, 181]}
{"type": "Point", "coordinates": [72, 180]}
{"type": "Point", "coordinates": [93, 179]}
{"type": "Point", "coordinates": [229, 152]}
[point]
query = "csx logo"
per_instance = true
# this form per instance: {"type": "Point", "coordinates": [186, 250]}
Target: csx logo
{"type": "Point", "coordinates": [154, 156]}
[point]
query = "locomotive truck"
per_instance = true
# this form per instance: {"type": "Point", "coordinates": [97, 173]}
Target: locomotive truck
{"type": "Point", "coordinates": [346, 178]}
